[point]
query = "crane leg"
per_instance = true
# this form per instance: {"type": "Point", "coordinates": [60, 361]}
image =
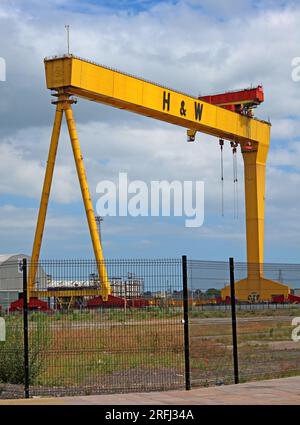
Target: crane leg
{"type": "Point", "coordinates": [255, 177]}
{"type": "Point", "coordinates": [45, 197]}
{"type": "Point", "coordinates": [255, 287]}
{"type": "Point", "coordinates": [87, 202]}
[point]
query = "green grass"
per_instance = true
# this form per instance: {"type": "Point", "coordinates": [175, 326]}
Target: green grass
{"type": "Point", "coordinates": [82, 348]}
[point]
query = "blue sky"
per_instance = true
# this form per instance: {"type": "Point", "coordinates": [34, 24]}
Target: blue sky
{"type": "Point", "coordinates": [136, 6]}
{"type": "Point", "coordinates": [194, 46]}
{"type": "Point", "coordinates": [128, 6]}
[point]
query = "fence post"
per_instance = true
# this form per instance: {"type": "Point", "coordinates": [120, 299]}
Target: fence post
{"type": "Point", "coordinates": [25, 330]}
{"type": "Point", "coordinates": [233, 321]}
{"type": "Point", "coordinates": [186, 324]}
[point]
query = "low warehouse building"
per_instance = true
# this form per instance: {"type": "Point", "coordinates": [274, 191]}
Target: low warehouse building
{"type": "Point", "coordinates": [11, 278]}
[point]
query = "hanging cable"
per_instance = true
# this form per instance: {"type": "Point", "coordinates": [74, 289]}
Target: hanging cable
{"type": "Point", "coordinates": [232, 146]}
{"type": "Point", "coordinates": [221, 143]}
{"type": "Point", "coordinates": [235, 180]}
{"type": "Point", "coordinates": [236, 183]}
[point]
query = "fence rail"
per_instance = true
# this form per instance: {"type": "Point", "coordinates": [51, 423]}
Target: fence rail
{"type": "Point", "coordinates": [166, 325]}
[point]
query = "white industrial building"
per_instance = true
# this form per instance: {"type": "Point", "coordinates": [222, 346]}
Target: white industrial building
{"type": "Point", "coordinates": [132, 287]}
{"type": "Point", "coordinates": [11, 278]}
{"type": "Point", "coordinates": [11, 281]}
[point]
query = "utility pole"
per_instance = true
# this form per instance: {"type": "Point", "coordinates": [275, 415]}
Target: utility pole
{"type": "Point", "coordinates": [99, 219]}
{"type": "Point", "coordinates": [68, 37]}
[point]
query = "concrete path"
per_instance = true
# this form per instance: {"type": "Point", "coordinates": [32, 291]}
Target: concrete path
{"type": "Point", "coordinates": [276, 391]}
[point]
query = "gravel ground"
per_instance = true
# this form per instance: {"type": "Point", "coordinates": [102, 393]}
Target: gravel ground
{"type": "Point", "coordinates": [130, 380]}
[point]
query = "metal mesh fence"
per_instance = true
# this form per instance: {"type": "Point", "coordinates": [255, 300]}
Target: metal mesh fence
{"type": "Point", "coordinates": [265, 311]}
{"type": "Point", "coordinates": [210, 324]}
{"type": "Point", "coordinates": [134, 341]}
{"type": "Point", "coordinates": [79, 344]}
{"type": "Point", "coordinates": [12, 339]}
{"type": "Point", "coordinates": [265, 345]}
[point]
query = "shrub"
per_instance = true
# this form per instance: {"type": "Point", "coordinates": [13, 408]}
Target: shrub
{"type": "Point", "coordinates": [12, 351]}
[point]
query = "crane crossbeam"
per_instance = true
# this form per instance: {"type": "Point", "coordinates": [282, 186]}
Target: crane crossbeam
{"type": "Point", "coordinates": [101, 84]}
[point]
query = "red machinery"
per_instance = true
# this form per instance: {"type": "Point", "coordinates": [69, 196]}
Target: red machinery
{"type": "Point", "coordinates": [241, 101]}
{"type": "Point", "coordinates": [294, 299]}
{"type": "Point", "coordinates": [276, 299]}
{"type": "Point", "coordinates": [117, 302]}
{"type": "Point", "coordinates": [291, 299]}
{"type": "Point", "coordinates": [34, 304]}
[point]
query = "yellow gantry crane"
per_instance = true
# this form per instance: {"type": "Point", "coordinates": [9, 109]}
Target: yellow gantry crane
{"type": "Point", "coordinates": [69, 75]}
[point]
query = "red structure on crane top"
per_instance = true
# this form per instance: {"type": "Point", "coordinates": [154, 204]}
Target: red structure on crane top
{"type": "Point", "coordinates": [240, 101]}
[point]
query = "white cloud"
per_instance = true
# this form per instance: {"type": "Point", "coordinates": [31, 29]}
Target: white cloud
{"type": "Point", "coordinates": [285, 156]}
{"type": "Point", "coordinates": [23, 176]}
{"type": "Point", "coordinates": [177, 45]}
